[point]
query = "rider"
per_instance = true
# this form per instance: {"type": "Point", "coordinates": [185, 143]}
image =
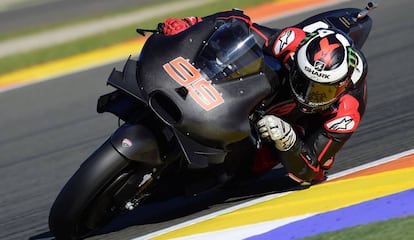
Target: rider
{"type": "Point", "coordinates": [324, 97]}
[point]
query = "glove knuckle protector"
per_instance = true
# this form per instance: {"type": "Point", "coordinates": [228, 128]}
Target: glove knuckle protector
{"type": "Point", "coordinates": [278, 130]}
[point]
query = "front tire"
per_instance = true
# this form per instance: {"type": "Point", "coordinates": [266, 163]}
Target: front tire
{"type": "Point", "coordinates": [87, 202]}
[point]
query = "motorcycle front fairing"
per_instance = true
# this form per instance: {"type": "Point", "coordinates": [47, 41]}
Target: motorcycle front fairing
{"type": "Point", "coordinates": [204, 82]}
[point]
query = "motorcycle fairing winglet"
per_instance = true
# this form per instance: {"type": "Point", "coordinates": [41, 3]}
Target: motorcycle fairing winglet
{"type": "Point", "coordinates": [198, 155]}
{"type": "Point", "coordinates": [127, 81]}
{"type": "Point", "coordinates": [120, 104]}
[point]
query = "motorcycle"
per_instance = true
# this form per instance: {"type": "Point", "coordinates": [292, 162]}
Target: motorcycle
{"type": "Point", "coordinates": [189, 103]}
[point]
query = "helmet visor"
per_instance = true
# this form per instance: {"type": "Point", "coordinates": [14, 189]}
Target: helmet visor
{"type": "Point", "coordinates": [313, 94]}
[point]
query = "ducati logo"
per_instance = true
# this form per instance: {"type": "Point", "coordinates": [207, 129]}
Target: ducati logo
{"type": "Point", "coordinates": [126, 143]}
{"type": "Point", "coordinates": [319, 66]}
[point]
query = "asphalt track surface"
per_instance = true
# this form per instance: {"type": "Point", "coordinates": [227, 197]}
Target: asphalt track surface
{"type": "Point", "coordinates": [38, 13]}
{"type": "Point", "coordinates": [49, 128]}
{"type": "Point", "coordinates": [103, 16]}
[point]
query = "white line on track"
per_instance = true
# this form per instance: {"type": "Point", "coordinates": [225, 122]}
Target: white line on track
{"type": "Point", "coordinates": [6, 5]}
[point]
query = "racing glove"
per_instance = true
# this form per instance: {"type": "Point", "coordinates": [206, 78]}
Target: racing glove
{"type": "Point", "coordinates": [172, 26]}
{"type": "Point", "coordinates": [280, 132]}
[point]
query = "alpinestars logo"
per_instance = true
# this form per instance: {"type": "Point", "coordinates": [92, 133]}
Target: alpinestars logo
{"type": "Point", "coordinates": [344, 124]}
{"type": "Point", "coordinates": [285, 39]}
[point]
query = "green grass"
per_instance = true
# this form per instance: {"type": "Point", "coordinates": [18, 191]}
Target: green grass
{"type": "Point", "coordinates": [17, 61]}
{"type": "Point", "coordinates": [394, 229]}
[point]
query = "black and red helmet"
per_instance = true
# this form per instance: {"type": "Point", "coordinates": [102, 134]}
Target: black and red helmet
{"type": "Point", "coordinates": [322, 69]}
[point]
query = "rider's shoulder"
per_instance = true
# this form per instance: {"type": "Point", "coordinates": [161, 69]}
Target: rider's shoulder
{"type": "Point", "coordinates": [359, 64]}
{"type": "Point", "coordinates": [287, 41]}
{"type": "Point", "coordinates": [345, 116]}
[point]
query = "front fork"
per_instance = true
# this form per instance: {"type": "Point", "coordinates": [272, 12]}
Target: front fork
{"type": "Point", "coordinates": [138, 144]}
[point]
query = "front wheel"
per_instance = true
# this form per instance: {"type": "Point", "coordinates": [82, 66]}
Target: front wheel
{"type": "Point", "coordinates": [97, 192]}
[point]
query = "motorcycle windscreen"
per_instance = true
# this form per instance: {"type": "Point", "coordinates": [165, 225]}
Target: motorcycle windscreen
{"type": "Point", "coordinates": [230, 53]}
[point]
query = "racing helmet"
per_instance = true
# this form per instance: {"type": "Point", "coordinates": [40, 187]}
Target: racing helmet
{"type": "Point", "coordinates": [321, 71]}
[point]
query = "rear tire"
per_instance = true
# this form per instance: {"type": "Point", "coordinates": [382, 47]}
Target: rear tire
{"type": "Point", "coordinates": [87, 202]}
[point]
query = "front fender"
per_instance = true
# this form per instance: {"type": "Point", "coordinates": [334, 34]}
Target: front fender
{"type": "Point", "coordinates": [136, 143]}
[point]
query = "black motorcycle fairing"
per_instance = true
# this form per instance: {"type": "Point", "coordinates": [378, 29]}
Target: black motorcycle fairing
{"type": "Point", "coordinates": [199, 155]}
{"type": "Point", "coordinates": [346, 21]}
{"type": "Point", "coordinates": [241, 91]}
{"type": "Point", "coordinates": [137, 143]}
{"type": "Point", "coordinates": [128, 101]}
{"type": "Point", "coordinates": [127, 81]}
{"type": "Point", "coordinates": [122, 105]}
{"type": "Point", "coordinates": [159, 49]}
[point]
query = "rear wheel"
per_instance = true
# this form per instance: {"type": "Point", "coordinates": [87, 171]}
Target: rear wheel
{"type": "Point", "coordinates": [97, 192]}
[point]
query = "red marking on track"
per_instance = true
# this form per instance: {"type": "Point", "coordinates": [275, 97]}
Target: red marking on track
{"type": "Point", "coordinates": [272, 9]}
{"type": "Point", "coordinates": [403, 162]}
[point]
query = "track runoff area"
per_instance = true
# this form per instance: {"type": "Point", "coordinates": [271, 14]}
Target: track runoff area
{"type": "Point", "coordinates": [386, 184]}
